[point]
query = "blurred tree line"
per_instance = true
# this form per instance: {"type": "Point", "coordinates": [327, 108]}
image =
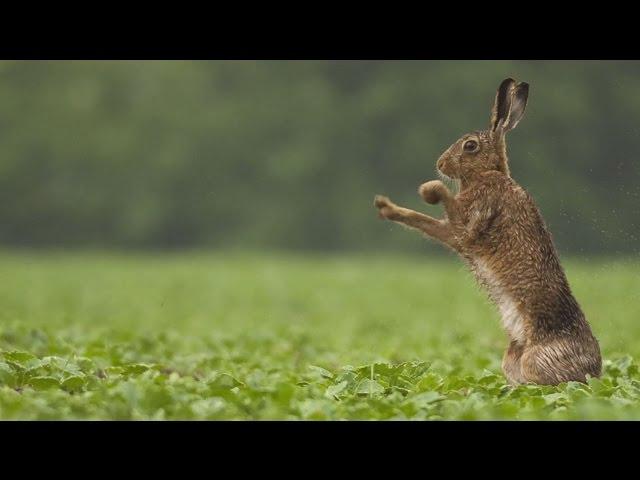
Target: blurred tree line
{"type": "Point", "coordinates": [289, 154]}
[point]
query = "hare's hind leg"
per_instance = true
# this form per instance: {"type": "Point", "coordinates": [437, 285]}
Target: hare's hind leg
{"type": "Point", "coordinates": [511, 363]}
{"type": "Point", "coordinates": [561, 360]}
{"type": "Point", "coordinates": [542, 365]}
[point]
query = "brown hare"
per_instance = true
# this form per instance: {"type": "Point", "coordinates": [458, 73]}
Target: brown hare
{"type": "Point", "coordinates": [495, 226]}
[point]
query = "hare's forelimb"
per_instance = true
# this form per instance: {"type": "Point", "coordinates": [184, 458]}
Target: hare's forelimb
{"type": "Point", "coordinates": [437, 229]}
{"type": "Point", "coordinates": [435, 192]}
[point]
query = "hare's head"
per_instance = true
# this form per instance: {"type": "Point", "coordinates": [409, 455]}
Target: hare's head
{"type": "Point", "coordinates": [485, 150]}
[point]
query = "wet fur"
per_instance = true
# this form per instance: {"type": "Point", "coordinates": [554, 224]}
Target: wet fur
{"type": "Point", "coordinates": [495, 226]}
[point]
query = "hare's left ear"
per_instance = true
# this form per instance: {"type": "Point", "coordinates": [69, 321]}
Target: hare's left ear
{"type": "Point", "coordinates": [508, 110]}
{"type": "Point", "coordinates": [501, 105]}
{"type": "Point", "coordinates": [509, 105]}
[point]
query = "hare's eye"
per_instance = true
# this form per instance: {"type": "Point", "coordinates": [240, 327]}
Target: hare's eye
{"type": "Point", "coordinates": [470, 146]}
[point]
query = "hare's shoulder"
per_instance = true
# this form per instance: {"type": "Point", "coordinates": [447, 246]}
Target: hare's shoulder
{"type": "Point", "coordinates": [500, 183]}
{"type": "Point", "coordinates": [504, 190]}
{"type": "Point", "coordinates": [499, 203]}
{"type": "Point", "coordinates": [492, 189]}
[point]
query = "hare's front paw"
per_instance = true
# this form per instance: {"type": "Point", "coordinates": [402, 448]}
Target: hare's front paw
{"type": "Point", "coordinates": [386, 207]}
{"type": "Point", "coordinates": [432, 192]}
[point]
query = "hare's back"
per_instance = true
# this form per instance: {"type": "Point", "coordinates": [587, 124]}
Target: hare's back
{"type": "Point", "coordinates": [518, 240]}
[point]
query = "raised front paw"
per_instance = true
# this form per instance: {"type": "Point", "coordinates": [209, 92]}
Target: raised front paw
{"type": "Point", "coordinates": [433, 192]}
{"type": "Point", "coordinates": [386, 207]}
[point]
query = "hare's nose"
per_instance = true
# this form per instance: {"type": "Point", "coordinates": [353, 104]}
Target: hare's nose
{"type": "Point", "coordinates": [439, 164]}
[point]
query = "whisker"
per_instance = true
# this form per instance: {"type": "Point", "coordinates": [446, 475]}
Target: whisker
{"type": "Point", "coordinates": [452, 183]}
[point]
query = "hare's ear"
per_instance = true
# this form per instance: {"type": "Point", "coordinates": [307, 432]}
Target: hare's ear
{"type": "Point", "coordinates": [518, 103]}
{"type": "Point", "coordinates": [501, 106]}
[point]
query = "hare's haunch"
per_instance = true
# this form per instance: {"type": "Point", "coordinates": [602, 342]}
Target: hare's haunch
{"type": "Point", "coordinates": [495, 226]}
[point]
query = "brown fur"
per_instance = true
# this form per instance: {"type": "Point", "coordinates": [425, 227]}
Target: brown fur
{"type": "Point", "coordinates": [495, 226]}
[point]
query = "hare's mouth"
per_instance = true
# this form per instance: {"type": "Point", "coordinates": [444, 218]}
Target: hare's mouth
{"type": "Point", "coordinates": [453, 183]}
{"type": "Point", "coordinates": [444, 176]}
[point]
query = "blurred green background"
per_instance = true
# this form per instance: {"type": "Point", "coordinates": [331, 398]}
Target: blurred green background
{"type": "Point", "coordinates": [287, 155]}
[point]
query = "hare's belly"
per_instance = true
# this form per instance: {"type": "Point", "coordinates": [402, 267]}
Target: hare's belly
{"type": "Point", "coordinates": [512, 318]}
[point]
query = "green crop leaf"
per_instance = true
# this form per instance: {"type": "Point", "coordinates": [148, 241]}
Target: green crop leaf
{"type": "Point", "coordinates": [18, 357]}
{"type": "Point", "coordinates": [115, 370]}
{"type": "Point", "coordinates": [369, 387]}
{"type": "Point", "coordinates": [430, 381]}
{"type": "Point", "coordinates": [7, 375]}
{"type": "Point", "coordinates": [324, 373]}
{"type": "Point", "coordinates": [334, 391]}
{"type": "Point", "coordinates": [73, 383]}
{"type": "Point", "coordinates": [208, 408]}
{"type": "Point", "coordinates": [43, 383]}
{"type": "Point", "coordinates": [135, 368]}
{"type": "Point", "coordinates": [425, 398]}
{"type": "Point", "coordinates": [223, 381]}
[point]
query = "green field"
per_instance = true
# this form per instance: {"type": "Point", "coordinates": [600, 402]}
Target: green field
{"type": "Point", "coordinates": [243, 336]}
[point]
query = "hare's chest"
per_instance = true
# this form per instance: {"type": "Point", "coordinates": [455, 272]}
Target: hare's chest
{"type": "Point", "coordinates": [512, 318]}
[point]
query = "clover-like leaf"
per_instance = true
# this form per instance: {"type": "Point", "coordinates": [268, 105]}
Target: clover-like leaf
{"type": "Point", "coordinates": [323, 372]}
{"type": "Point", "coordinates": [369, 387]}
{"type": "Point", "coordinates": [333, 391]}
{"type": "Point", "coordinates": [73, 383]}
{"type": "Point", "coordinates": [43, 383]}
{"type": "Point", "coordinates": [18, 357]}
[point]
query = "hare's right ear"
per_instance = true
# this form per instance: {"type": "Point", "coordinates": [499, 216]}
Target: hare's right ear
{"type": "Point", "coordinates": [519, 96]}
